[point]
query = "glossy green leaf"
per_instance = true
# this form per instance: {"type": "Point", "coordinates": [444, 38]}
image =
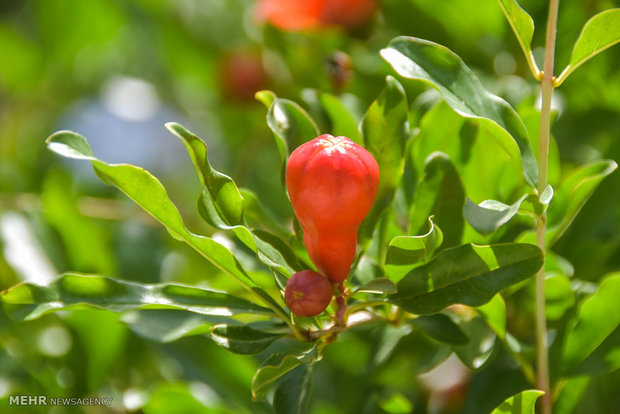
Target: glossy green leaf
{"type": "Point", "coordinates": [490, 215]}
{"type": "Point", "coordinates": [559, 296]}
{"type": "Point", "coordinates": [598, 316]}
{"type": "Point", "coordinates": [441, 328]}
{"type": "Point", "coordinates": [494, 313]}
{"type": "Point", "coordinates": [221, 205]}
{"type": "Point", "coordinates": [28, 301]}
{"type": "Point", "coordinates": [381, 285]}
{"type": "Point", "coordinates": [488, 164]}
{"type": "Point", "coordinates": [570, 395]}
{"type": "Point", "coordinates": [241, 339]}
{"type": "Point", "coordinates": [146, 191]}
{"type": "Point", "coordinates": [276, 366]}
{"type": "Point", "coordinates": [521, 403]}
{"type": "Point", "coordinates": [167, 325]}
{"type": "Point", "coordinates": [572, 195]}
{"type": "Point", "coordinates": [604, 359]}
{"type": "Point", "coordinates": [292, 395]}
{"type": "Point", "coordinates": [480, 349]}
{"type": "Point", "coordinates": [439, 194]}
{"type": "Point", "coordinates": [467, 274]}
{"type": "Point", "coordinates": [534, 205]}
{"type": "Point", "coordinates": [423, 60]}
{"type": "Point", "coordinates": [523, 28]}
{"type": "Point", "coordinates": [599, 33]}
{"type": "Point", "coordinates": [385, 130]}
{"type": "Point", "coordinates": [343, 122]}
{"type": "Point", "coordinates": [405, 253]}
{"type": "Point", "coordinates": [291, 125]}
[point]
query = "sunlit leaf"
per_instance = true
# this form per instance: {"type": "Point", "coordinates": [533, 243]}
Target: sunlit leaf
{"type": "Point", "coordinates": [29, 301]}
{"type": "Point", "coordinates": [599, 33]}
{"type": "Point", "coordinates": [521, 403]}
{"type": "Point", "coordinates": [385, 130]}
{"type": "Point", "coordinates": [146, 191]}
{"type": "Point", "coordinates": [404, 253]}
{"type": "Point", "coordinates": [598, 316]}
{"type": "Point", "coordinates": [241, 339]}
{"type": "Point", "coordinates": [423, 60]}
{"type": "Point", "coordinates": [489, 215]}
{"type": "Point", "coordinates": [439, 194]}
{"type": "Point", "coordinates": [494, 313]}
{"type": "Point", "coordinates": [221, 205]}
{"type": "Point", "coordinates": [468, 274]}
{"type": "Point", "coordinates": [523, 28]}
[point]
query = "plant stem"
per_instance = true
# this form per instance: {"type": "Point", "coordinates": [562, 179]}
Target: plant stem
{"type": "Point", "coordinates": [543, 159]}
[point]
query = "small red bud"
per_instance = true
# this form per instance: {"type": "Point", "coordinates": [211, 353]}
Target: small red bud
{"type": "Point", "coordinates": [308, 293]}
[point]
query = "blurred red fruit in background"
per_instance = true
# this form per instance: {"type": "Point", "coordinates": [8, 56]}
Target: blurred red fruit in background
{"type": "Point", "coordinates": [293, 15]}
{"type": "Point", "coordinates": [242, 75]}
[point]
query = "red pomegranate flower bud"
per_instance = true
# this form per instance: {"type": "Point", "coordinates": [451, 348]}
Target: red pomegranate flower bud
{"type": "Point", "coordinates": [332, 183]}
{"type": "Point", "coordinates": [308, 293]}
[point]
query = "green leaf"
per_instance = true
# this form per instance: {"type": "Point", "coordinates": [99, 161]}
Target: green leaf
{"type": "Point", "coordinates": [441, 328]}
{"type": "Point", "coordinates": [436, 65]}
{"type": "Point", "coordinates": [396, 403]}
{"type": "Point", "coordinates": [439, 194]}
{"type": "Point", "coordinates": [292, 395]}
{"type": "Point", "coordinates": [494, 313]}
{"type": "Point", "coordinates": [343, 122]}
{"type": "Point", "coordinates": [276, 366]}
{"type": "Point", "coordinates": [523, 27]}
{"type": "Point", "coordinates": [572, 195]}
{"type": "Point", "coordinates": [164, 325]}
{"type": "Point", "coordinates": [405, 253]}
{"type": "Point", "coordinates": [597, 317]}
{"type": "Point", "coordinates": [28, 301]}
{"type": "Point", "coordinates": [221, 205]}
{"type": "Point", "coordinates": [291, 125]}
{"type": "Point", "coordinates": [381, 285]}
{"type": "Point", "coordinates": [599, 33]}
{"type": "Point", "coordinates": [490, 215]}
{"type": "Point", "coordinates": [480, 348]}
{"type": "Point", "coordinates": [225, 206]}
{"type": "Point", "coordinates": [467, 274]}
{"type": "Point", "coordinates": [534, 205]}
{"type": "Point", "coordinates": [559, 296]}
{"type": "Point", "coordinates": [604, 359]}
{"type": "Point", "coordinates": [521, 403]}
{"type": "Point", "coordinates": [146, 191]}
{"type": "Point", "coordinates": [241, 339]}
{"type": "Point", "coordinates": [570, 395]}
{"type": "Point", "coordinates": [385, 129]}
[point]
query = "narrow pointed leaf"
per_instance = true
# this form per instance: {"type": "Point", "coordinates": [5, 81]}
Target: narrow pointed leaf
{"type": "Point", "coordinates": [521, 403]}
{"type": "Point", "coordinates": [523, 27]}
{"type": "Point", "coordinates": [599, 33]}
{"type": "Point", "coordinates": [419, 59]}
{"type": "Point", "coordinates": [241, 339]}
{"type": "Point", "coordinates": [146, 191]}
{"type": "Point", "coordinates": [467, 274]}
{"type": "Point", "coordinates": [28, 301]}
{"type": "Point", "coordinates": [222, 205]}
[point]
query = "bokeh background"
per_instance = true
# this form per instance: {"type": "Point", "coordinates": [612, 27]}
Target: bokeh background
{"type": "Point", "coordinates": [117, 70]}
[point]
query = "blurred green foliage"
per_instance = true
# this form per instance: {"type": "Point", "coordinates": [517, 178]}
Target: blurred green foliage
{"type": "Point", "coordinates": [61, 61]}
